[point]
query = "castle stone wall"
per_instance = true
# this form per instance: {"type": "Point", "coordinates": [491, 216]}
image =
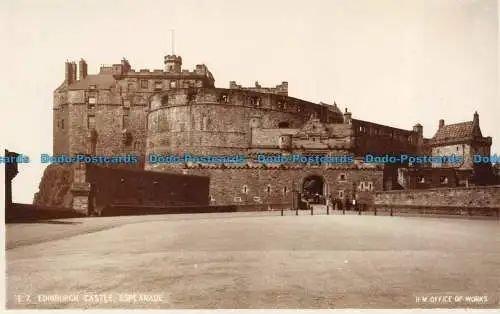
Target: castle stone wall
{"type": "Point", "coordinates": [275, 186]}
{"type": "Point", "coordinates": [461, 197]}
{"type": "Point", "coordinates": [218, 121]}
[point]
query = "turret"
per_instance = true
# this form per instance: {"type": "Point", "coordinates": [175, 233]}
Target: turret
{"type": "Point", "coordinates": [418, 137]}
{"type": "Point", "coordinates": [173, 63]}
{"type": "Point", "coordinates": [125, 65]}
{"type": "Point", "coordinates": [441, 123]}
{"type": "Point", "coordinates": [347, 117]}
{"type": "Point", "coordinates": [475, 120]}
{"type": "Point", "coordinates": [419, 129]}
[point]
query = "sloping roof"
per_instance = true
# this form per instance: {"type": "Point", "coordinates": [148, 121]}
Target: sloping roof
{"type": "Point", "coordinates": [453, 131]}
{"type": "Point", "coordinates": [101, 81]}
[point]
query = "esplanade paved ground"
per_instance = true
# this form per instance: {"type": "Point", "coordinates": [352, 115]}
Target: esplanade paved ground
{"type": "Point", "coordinates": [253, 260]}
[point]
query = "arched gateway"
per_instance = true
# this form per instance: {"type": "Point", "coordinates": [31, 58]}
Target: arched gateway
{"type": "Point", "coordinates": [313, 188]}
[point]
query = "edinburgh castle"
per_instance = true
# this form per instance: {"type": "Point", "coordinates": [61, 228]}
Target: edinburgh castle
{"type": "Point", "coordinates": [172, 111]}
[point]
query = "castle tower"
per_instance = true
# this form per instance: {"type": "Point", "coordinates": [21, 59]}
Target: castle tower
{"type": "Point", "coordinates": [173, 63]}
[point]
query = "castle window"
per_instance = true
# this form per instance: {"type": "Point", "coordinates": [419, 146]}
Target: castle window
{"type": "Point", "coordinates": [458, 148]}
{"type": "Point", "coordinates": [341, 194]}
{"type": "Point", "coordinates": [284, 190]}
{"type": "Point", "coordinates": [237, 199]}
{"type": "Point", "coordinates": [144, 84]}
{"type": "Point", "coordinates": [205, 123]}
{"type": "Point", "coordinates": [164, 100]}
{"type": "Point", "coordinates": [342, 177]}
{"type": "Point", "coordinates": [137, 145]}
{"type": "Point", "coordinates": [62, 124]}
{"type": "Point", "coordinates": [255, 101]}
{"type": "Point", "coordinates": [281, 104]}
{"type": "Point", "coordinates": [283, 125]}
{"type": "Point", "coordinates": [245, 189]}
{"type": "Point", "coordinates": [370, 186]}
{"type": "Point", "coordinates": [443, 180]}
{"type": "Point", "coordinates": [158, 85]}
{"type": "Point", "coordinates": [268, 189]}
{"type": "Point", "coordinates": [125, 121]}
{"type": "Point", "coordinates": [91, 122]}
{"type": "Point", "coordinates": [224, 98]}
{"type": "Point", "coordinates": [421, 179]}
{"type": "Point", "coordinates": [173, 84]}
{"type": "Point", "coordinates": [191, 95]}
{"type": "Point", "coordinates": [91, 103]}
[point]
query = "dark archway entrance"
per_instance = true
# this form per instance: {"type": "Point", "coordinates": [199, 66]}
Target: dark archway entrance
{"type": "Point", "coordinates": [313, 188]}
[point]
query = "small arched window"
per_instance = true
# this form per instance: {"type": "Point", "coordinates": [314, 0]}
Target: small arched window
{"type": "Point", "coordinates": [137, 145]}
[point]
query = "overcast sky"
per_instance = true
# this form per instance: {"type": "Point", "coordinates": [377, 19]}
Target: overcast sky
{"type": "Point", "coordinates": [394, 62]}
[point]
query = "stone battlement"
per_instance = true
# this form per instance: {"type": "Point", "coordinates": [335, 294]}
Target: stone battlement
{"type": "Point", "coordinates": [281, 89]}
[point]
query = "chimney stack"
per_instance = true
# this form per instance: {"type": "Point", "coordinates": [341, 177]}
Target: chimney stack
{"type": "Point", "coordinates": [73, 71]}
{"type": "Point", "coordinates": [475, 121]}
{"type": "Point", "coordinates": [83, 69]}
{"type": "Point", "coordinates": [70, 75]}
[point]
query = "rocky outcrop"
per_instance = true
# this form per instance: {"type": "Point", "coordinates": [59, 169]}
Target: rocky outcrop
{"type": "Point", "coordinates": [54, 188]}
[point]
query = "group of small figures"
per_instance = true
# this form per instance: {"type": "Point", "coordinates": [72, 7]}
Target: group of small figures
{"type": "Point", "coordinates": [332, 202]}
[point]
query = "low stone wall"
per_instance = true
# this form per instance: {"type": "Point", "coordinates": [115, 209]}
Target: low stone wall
{"type": "Point", "coordinates": [28, 213]}
{"type": "Point", "coordinates": [470, 201]}
{"type": "Point", "coordinates": [465, 197]}
{"type": "Point", "coordinates": [133, 210]}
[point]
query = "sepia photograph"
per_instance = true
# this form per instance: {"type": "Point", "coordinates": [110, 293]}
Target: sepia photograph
{"type": "Point", "coordinates": [201, 154]}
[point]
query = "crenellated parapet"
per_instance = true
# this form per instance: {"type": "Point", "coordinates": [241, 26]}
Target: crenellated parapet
{"type": "Point", "coordinates": [281, 89]}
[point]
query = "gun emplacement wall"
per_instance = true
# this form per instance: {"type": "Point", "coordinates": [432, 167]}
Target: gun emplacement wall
{"type": "Point", "coordinates": [111, 186]}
